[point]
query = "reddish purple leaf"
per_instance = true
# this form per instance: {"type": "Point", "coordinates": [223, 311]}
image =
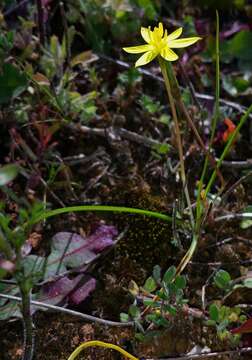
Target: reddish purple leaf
{"type": "Point", "coordinates": [72, 250]}
{"type": "Point", "coordinates": [246, 327]}
{"type": "Point", "coordinates": [102, 238]}
{"type": "Point", "coordinates": [55, 292]}
{"type": "Point", "coordinates": [83, 292]}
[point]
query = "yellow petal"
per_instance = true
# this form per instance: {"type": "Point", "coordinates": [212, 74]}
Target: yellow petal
{"type": "Point", "coordinates": [146, 34]}
{"type": "Point", "coordinates": [160, 29]}
{"type": "Point", "coordinates": [138, 49]}
{"type": "Point", "coordinates": [181, 43]}
{"type": "Point", "coordinates": [146, 58]}
{"type": "Point", "coordinates": [175, 34]}
{"type": "Point", "coordinates": [168, 54]}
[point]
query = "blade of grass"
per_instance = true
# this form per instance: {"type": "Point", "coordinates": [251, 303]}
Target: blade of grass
{"type": "Point", "coordinates": [102, 208]}
{"type": "Point", "coordinates": [213, 125]}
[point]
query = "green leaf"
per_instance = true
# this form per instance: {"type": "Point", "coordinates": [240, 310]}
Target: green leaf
{"type": "Point", "coordinates": [214, 312]}
{"type": "Point", "coordinates": [248, 283]}
{"type": "Point", "coordinates": [222, 279]}
{"type": "Point", "coordinates": [8, 173]}
{"type": "Point", "coordinates": [162, 148]}
{"type": "Point", "coordinates": [139, 337]}
{"type": "Point", "coordinates": [170, 309]}
{"type": "Point", "coordinates": [12, 83]}
{"type": "Point", "coordinates": [156, 273]}
{"type": "Point", "coordinates": [210, 322]}
{"type": "Point", "coordinates": [124, 317]}
{"type": "Point", "coordinates": [180, 282]}
{"type": "Point", "coordinates": [245, 224]}
{"type": "Point", "coordinates": [134, 311]}
{"type": "Point", "coordinates": [150, 284]}
{"type": "Point", "coordinates": [169, 275]}
{"type": "Point", "coordinates": [149, 105]}
{"type": "Point", "coordinates": [149, 302]}
{"type": "Point", "coordinates": [240, 45]}
{"type": "Point", "coordinates": [10, 310]}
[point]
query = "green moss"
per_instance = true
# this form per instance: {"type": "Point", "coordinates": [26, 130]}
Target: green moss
{"type": "Point", "coordinates": [147, 241]}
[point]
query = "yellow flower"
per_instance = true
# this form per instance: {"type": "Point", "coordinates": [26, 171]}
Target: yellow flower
{"type": "Point", "coordinates": [159, 43]}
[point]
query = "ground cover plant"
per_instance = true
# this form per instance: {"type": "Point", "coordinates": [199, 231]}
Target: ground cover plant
{"type": "Point", "coordinates": [125, 202]}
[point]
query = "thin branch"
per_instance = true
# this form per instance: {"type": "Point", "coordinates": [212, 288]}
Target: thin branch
{"type": "Point", "coordinates": [70, 312]}
{"type": "Point", "coordinates": [244, 164]}
{"type": "Point", "coordinates": [238, 216]}
{"type": "Point", "coordinates": [117, 132]}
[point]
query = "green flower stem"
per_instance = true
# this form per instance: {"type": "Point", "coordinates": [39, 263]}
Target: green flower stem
{"type": "Point", "coordinates": [162, 64]}
{"type": "Point", "coordinates": [178, 98]}
{"type": "Point", "coordinates": [199, 207]}
{"type": "Point", "coordinates": [104, 208]}
{"type": "Point", "coordinates": [217, 85]}
{"type": "Point", "coordinates": [215, 119]}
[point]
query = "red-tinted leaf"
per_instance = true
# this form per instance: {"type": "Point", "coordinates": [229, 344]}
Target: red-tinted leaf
{"type": "Point", "coordinates": [245, 328]}
{"type": "Point", "coordinates": [102, 238]}
{"type": "Point", "coordinates": [55, 292]}
{"type": "Point", "coordinates": [72, 250]}
{"type": "Point", "coordinates": [83, 292]}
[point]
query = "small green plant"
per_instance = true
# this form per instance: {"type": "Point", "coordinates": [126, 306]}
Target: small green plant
{"type": "Point", "coordinates": [222, 318]}
{"type": "Point", "coordinates": [222, 280]}
{"type": "Point", "coordinates": [161, 297]}
{"type": "Point", "coordinates": [149, 105]}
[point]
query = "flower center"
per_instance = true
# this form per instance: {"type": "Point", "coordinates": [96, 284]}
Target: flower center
{"type": "Point", "coordinates": [158, 39]}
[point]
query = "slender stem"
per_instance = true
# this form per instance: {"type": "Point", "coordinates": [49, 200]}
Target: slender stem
{"type": "Point", "coordinates": [217, 81]}
{"type": "Point", "coordinates": [199, 208]}
{"type": "Point", "coordinates": [28, 324]}
{"type": "Point", "coordinates": [181, 106]}
{"type": "Point", "coordinates": [189, 254]}
{"type": "Point", "coordinates": [104, 208]}
{"type": "Point", "coordinates": [178, 136]}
